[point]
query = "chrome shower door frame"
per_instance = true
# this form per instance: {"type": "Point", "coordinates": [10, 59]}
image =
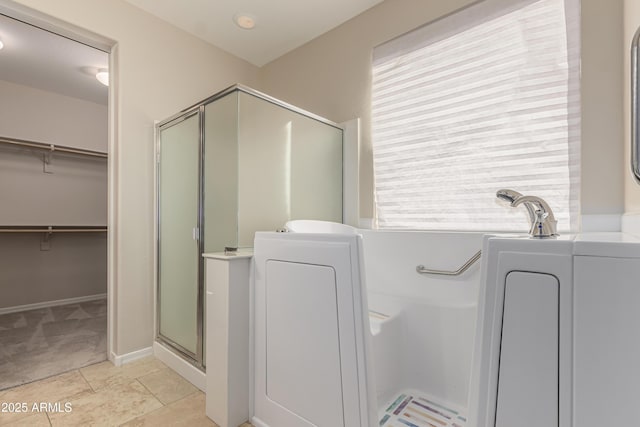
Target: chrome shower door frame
{"type": "Point", "coordinates": [196, 358]}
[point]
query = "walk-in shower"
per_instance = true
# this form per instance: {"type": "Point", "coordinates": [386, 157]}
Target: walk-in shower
{"type": "Point", "coordinates": [237, 162]}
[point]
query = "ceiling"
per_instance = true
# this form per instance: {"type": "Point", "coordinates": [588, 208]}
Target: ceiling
{"type": "Point", "coordinates": [43, 60]}
{"type": "Point", "coordinates": [37, 58]}
{"type": "Point", "coordinates": [281, 25]}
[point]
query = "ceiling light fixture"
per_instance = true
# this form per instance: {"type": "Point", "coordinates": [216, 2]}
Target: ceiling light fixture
{"type": "Point", "coordinates": [244, 21]}
{"type": "Point", "coordinates": [1, 45]}
{"type": "Point", "coordinates": [103, 77]}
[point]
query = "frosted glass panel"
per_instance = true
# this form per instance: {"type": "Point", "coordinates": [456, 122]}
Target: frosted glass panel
{"type": "Point", "coordinates": [262, 165]}
{"type": "Point", "coordinates": [179, 255]}
{"type": "Point", "coordinates": [290, 167]}
{"type": "Point", "coordinates": [316, 171]}
{"type": "Point", "coordinates": [221, 174]}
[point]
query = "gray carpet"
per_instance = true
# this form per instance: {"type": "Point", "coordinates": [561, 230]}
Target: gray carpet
{"type": "Point", "coordinates": [37, 344]}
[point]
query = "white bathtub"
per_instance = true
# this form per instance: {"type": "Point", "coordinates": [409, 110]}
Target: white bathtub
{"type": "Point", "coordinates": [412, 355]}
{"type": "Point", "coordinates": [423, 326]}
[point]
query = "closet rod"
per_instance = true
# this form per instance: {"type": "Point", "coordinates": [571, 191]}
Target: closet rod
{"type": "Point", "coordinates": [52, 147]}
{"type": "Point", "coordinates": [53, 230]}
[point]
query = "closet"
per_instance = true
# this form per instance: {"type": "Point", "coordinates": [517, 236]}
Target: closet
{"type": "Point", "coordinates": [53, 205]}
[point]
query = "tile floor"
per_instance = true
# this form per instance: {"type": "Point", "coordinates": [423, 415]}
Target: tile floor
{"type": "Point", "coordinates": [39, 343]}
{"type": "Point", "coordinates": [141, 393]}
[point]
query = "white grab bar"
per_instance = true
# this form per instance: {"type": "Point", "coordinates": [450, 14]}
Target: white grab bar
{"type": "Point", "coordinates": [423, 270]}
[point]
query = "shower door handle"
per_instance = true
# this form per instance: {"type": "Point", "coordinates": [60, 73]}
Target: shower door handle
{"type": "Point", "coordinates": [195, 233]}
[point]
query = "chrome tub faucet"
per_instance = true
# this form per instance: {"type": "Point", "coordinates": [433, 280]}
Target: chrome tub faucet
{"type": "Point", "coordinates": [543, 222]}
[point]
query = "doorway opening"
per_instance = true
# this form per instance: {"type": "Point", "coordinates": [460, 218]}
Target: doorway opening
{"type": "Point", "coordinates": [54, 174]}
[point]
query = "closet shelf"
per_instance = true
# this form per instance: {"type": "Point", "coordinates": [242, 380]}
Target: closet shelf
{"type": "Point", "coordinates": [51, 148]}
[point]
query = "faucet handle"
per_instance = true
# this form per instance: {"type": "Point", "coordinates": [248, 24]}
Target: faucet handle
{"type": "Point", "coordinates": [539, 227]}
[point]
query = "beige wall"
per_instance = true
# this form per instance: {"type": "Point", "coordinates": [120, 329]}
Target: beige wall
{"type": "Point", "coordinates": [161, 70]}
{"type": "Point", "coordinates": [73, 266]}
{"type": "Point", "coordinates": [61, 119]}
{"type": "Point", "coordinates": [631, 24]}
{"type": "Point", "coordinates": [603, 166]}
{"type": "Point", "coordinates": [331, 77]}
{"type": "Point", "coordinates": [73, 194]}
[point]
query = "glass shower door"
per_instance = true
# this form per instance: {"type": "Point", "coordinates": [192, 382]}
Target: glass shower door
{"type": "Point", "coordinates": [179, 308]}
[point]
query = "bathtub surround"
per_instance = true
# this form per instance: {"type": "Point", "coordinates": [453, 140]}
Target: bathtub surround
{"type": "Point", "coordinates": [432, 318]}
{"type": "Point", "coordinates": [40, 343]}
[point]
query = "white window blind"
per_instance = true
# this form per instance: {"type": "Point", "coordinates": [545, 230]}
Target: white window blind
{"type": "Point", "coordinates": [483, 99]}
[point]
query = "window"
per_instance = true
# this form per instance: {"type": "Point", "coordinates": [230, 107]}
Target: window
{"type": "Point", "coordinates": [483, 99]}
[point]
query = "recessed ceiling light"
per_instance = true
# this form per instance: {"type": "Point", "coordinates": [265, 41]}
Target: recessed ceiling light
{"type": "Point", "coordinates": [244, 21]}
{"type": "Point", "coordinates": [103, 77]}
{"type": "Point", "coordinates": [1, 45]}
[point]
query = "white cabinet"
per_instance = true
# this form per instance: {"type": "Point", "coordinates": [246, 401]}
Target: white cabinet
{"type": "Point", "coordinates": [228, 340]}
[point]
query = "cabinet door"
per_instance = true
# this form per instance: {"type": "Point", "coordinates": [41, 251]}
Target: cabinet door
{"type": "Point", "coordinates": [607, 345]}
{"type": "Point", "coordinates": [178, 234]}
{"type": "Point", "coordinates": [528, 379]}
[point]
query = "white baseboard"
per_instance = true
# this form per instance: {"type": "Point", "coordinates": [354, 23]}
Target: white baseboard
{"type": "Point", "coordinates": [120, 360]}
{"type": "Point", "coordinates": [183, 368]}
{"type": "Point", "coordinates": [256, 422]}
{"type": "Point", "coordinates": [45, 304]}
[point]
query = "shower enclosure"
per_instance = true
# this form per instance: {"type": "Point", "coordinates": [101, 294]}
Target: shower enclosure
{"type": "Point", "coordinates": [235, 163]}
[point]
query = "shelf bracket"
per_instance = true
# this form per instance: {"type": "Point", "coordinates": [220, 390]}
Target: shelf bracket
{"type": "Point", "coordinates": [45, 244]}
{"type": "Point", "coordinates": [46, 159]}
